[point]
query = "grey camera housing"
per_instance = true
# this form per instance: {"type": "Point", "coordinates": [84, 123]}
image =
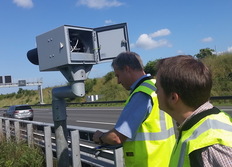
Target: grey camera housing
{"type": "Point", "coordinates": [73, 51]}
{"type": "Point", "coordinates": [67, 45]}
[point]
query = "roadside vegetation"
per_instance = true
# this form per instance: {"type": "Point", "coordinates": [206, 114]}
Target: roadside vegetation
{"type": "Point", "coordinates": [20, 155]}
{"type": "Point", "coordinates": [108, 89]}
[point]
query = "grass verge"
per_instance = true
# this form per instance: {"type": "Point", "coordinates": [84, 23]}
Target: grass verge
{"type": "Point", "coordinates": [20, 155]}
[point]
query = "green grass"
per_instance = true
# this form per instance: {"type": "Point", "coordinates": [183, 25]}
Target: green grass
{"type": "Point", "coordinates": [20, 155]}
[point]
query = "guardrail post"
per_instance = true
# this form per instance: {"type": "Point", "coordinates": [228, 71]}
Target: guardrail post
{"type": "Point", "coordinates": [7, 129]}
{"type": "Point", "coordinates": [17, 131]}
{"type": "Point", "coordinates": [48, 146]}
{"type": "Point", "coordinates": [30, 138]}
{"type": "Point", "coordinates": [118, 161]}
{"type": "Point", "coordinates": [75, 141]}
{"type": "Point", "coordinates": [1, 130]}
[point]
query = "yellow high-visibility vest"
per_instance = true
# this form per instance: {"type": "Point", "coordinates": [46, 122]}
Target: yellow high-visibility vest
{"type": "Point", "coordinates": [214, 128]}
{"type": "Point", "coordinates": [155, 138]}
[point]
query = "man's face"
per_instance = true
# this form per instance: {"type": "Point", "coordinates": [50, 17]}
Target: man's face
{"type": "Point", "coordinates": [123, 78]}
{"type": "Point", "coordinates": [162, 97]}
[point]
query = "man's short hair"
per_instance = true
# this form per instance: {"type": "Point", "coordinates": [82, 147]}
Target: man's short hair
{"type": "Point", "coordinates": [130, 59]}
{"type": "Point", "coordinates": [186, 76]}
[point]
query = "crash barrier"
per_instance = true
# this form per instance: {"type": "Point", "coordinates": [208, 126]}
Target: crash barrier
{"type": "Point", "coordinates": [83, 103]}
{"type": "Point", "coordinates": [80, 145]}
{"type": "Point", "coordinates": [82, 150]}
{"type": "Point", "coordinates": [213, 98]}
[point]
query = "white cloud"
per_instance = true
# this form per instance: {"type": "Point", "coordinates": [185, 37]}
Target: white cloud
{"type": "Point", "coordinates": [180, 52]}
{"type": "Point", "coordinates": [24, 3]}
{"type": "Point", "coordinates": [229, 49]}
{"type": "Point", "coordinates": [147, 41]}
{"type": "Point", "coordinates": [107, 22]}
{"type": "Point", "coordinates": [99, 4]}
{"type": "Point", "coordinates": [162, 32]}
{"type": "Point", "coordinates": [207, 39]}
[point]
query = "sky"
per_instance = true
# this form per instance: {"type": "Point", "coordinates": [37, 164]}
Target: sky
{"type": "Point", "coordinates": [156, 29]}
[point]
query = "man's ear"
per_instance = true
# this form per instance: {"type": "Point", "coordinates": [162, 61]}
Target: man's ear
{"type": "Point", "coordinates": [127, 69]}
{"type": "Point", "coordinates": [174, 97]}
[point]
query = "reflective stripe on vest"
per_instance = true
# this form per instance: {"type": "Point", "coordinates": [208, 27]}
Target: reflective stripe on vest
{"type": "Point", "coordinates": [148, 86]}
{"type": "Point", "coordinates": [210, 124]}
{"type": "Point", "coordinates": [164, 134]}
{"type": "Point", "coordinates": [155, 136]}
{"type": "Point", "coordinates": [145, 84]}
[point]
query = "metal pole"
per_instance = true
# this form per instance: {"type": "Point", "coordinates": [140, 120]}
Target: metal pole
{"type": "Point", "coordinates": [61, 133]}
{"type": "Point", "coordinates": [40, 94]}
{"type": "Point", "coordinates": [60, 117]}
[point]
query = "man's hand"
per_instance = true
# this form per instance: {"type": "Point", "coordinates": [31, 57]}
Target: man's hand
{"type": "Point", "coordinates": [96, 137]}
{"type": "Point", "coordinates": [111, 137]}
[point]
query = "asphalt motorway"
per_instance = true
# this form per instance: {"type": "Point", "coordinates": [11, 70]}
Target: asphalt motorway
{"type": "Point", "coordinates": [103, 118]}
{"type": "Point", "coordinates": [99, 117]}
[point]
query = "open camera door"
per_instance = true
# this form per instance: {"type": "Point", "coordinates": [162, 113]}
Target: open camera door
{"type": "Point", "coordinates": [110, 41]}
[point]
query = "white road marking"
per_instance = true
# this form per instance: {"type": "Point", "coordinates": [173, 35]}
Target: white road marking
{"type": "Point", "coordinates": [91, 122]}
{"type": "Point", "coordinates": [226, 109]}
{"type": "Point", "coordinates": [77, 109]}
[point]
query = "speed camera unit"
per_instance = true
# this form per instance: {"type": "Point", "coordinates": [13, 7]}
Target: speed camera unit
{"type": "Point", "coordinates": [71, 45]}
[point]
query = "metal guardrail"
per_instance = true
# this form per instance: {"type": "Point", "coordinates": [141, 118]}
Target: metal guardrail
{"type": "Point", "coordinates": [43, 134]}
{"type": "Point", "coordinates": [121, 101]}
{"type": "Point", "coordinates": [81, 103]}
{"type": "Point", "coordinates": [220, 97]}
{"type": "Point", "coordinates": [81, 146]}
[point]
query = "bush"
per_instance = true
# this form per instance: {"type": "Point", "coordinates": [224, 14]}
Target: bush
{"type": "Point", "coordinates": [109, 76]}
{"type": "Point", "coordinates": [89, 84]}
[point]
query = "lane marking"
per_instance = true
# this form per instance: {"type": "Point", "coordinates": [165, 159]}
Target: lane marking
{"type": "Point", "coordinates": [92, 122]}
{"type": "Point", "coordinates": [226, 109]}
{"type": "Point", "coordinates": [76, 109]}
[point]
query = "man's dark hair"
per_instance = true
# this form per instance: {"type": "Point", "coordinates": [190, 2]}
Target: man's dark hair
{"type": "Point", "coordinates": [130, 59]}
{"type": "Point", "coordinates": [186, 76]}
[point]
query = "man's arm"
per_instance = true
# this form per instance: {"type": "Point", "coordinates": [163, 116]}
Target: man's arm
{"type": "Point", "coordinates": [111, 137]}
{"type": "Point", "coordinates": [129, 121]}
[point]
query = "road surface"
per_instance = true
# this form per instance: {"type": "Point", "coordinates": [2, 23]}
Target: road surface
{"type": "Point", "coordinates": [99, 117]}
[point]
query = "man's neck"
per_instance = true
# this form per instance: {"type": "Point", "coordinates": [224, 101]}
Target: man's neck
{"type": "Point", "coordinates": [181, 113]}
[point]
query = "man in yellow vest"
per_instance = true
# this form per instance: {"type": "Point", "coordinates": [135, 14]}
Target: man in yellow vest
{"type": "Point", "coordinates": [145, 132]}
{"type": "Point", "coordinates": [205, 133]}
